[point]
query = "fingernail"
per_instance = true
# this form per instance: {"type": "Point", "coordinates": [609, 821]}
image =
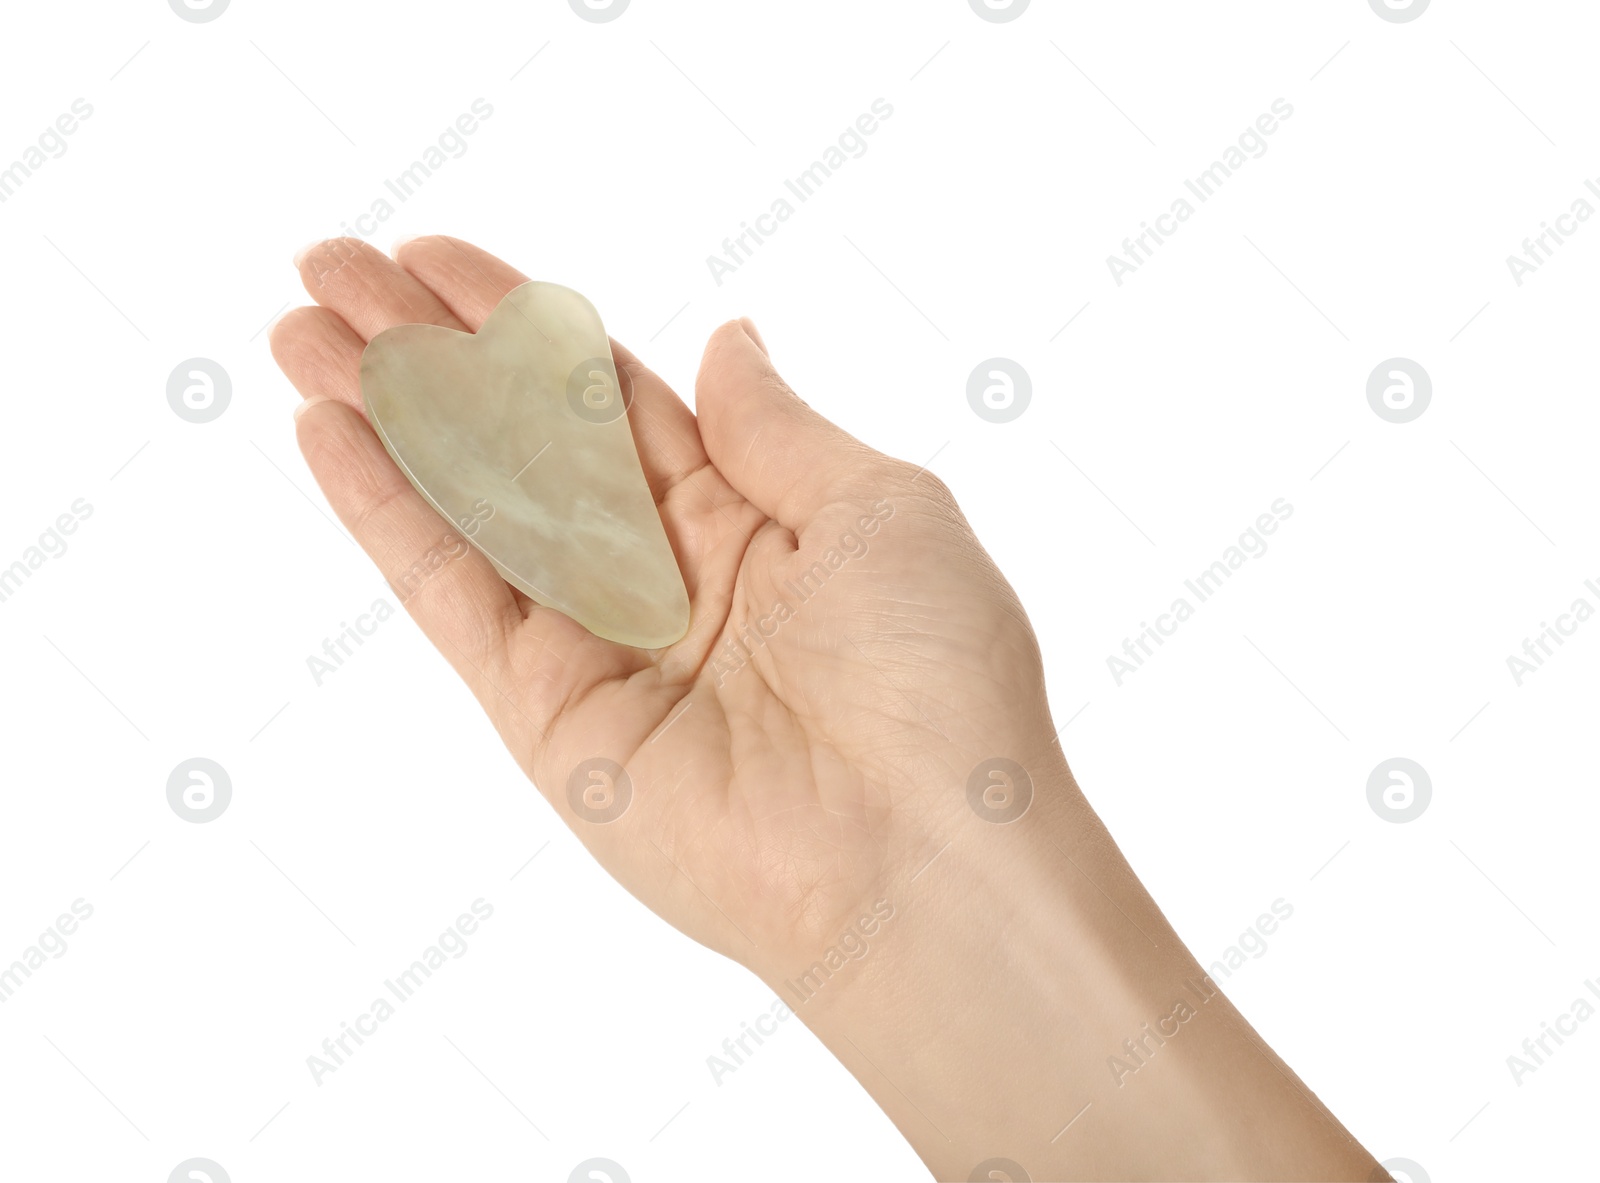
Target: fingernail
{"type": "Point", "coordinates": [753, 333]}
{"type": "Point", "coordinates": [300, 255]}
{"type": "Point", "coordinates": [307, 404]}
{"type": "Point", "coordinates": [276, 320]}
{"type": "Point", "coordinates": [394, 248]}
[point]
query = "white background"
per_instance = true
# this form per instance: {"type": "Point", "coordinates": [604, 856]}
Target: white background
{"type": "Point", "coordinates": [1229, 371]}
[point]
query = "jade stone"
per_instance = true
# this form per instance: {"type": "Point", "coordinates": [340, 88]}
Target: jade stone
{"type": "Point", "coordinates": [518, 435]}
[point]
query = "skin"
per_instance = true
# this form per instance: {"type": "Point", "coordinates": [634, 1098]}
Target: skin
{"type": "Point", "coordinates": [810, 793]}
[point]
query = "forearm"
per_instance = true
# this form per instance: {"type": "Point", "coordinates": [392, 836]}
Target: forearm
{"type": "Point", "coordinates": [1028, 1001]}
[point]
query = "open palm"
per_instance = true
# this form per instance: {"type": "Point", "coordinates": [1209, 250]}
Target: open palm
{"type": "Point", "coordinates": [852, 653]}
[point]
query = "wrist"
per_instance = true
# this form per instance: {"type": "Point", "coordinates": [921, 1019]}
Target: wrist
{"type": "Point", "coordinates": [1020, 996]}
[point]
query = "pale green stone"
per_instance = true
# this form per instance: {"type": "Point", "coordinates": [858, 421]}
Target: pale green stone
{"type": "Point", "coordinates": [519, 436]}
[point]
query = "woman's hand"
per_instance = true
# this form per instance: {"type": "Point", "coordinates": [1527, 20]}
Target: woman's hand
{"type": "Point", "coordinates": [852, 654]}
{"type": "Point", "coordinates": [845, 776]}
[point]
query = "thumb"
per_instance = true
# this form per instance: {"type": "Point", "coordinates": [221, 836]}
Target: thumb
{"type": "Point", "coordinates": [787, 460]}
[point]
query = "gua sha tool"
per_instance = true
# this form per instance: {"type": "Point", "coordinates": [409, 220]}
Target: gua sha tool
{"type": "Point", "coordinates": [518, 434]}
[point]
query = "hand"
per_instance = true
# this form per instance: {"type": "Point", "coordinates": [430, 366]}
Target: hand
{"type": "Point", "coordinates": [850, 641]}
{"type": "Point", "coordinates": [808, 766]}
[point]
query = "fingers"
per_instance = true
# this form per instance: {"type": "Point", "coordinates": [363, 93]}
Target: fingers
{"type": "Point", "coordinates": [468, 279]}
{"type": "Point", "coordinates": [368, 289]}
{"type": "Point", "coordinates": [361, 293]}
{"type": "Point", "coordinates": [320, 354]}
{"type": "Point", "coordinates": [780, 454]}
{"type": "Point", "coordinates": [453, 592]}
{"type": "Point", "coordinates": [471, 282]}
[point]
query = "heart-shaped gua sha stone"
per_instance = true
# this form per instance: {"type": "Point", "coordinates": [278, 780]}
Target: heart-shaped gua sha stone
{"type": "Point", "coordinates": [518, 434]}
